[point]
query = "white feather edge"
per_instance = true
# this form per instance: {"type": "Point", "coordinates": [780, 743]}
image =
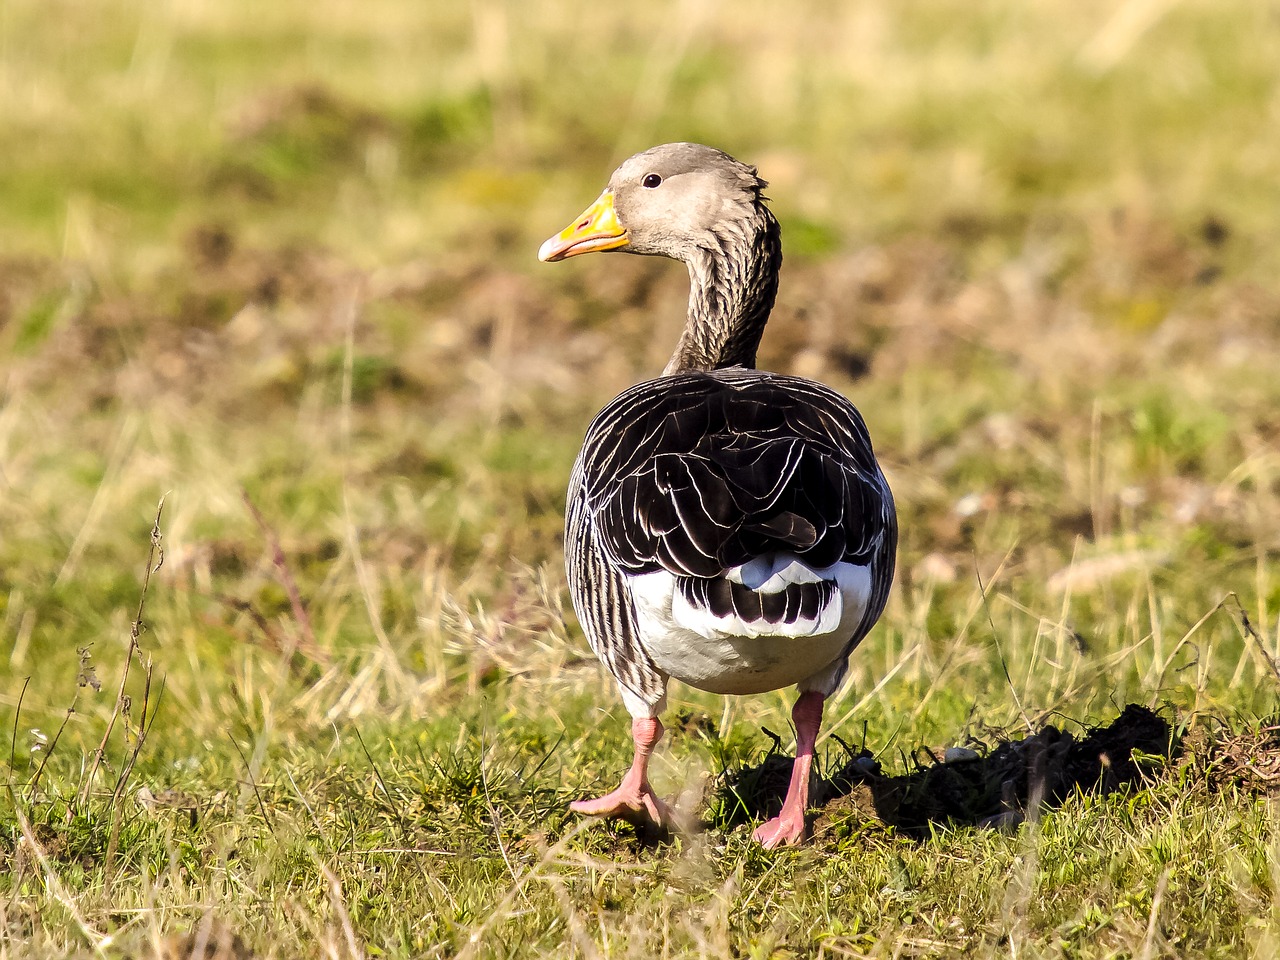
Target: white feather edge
{"type": "Point", "coordinates": [773, 574]}
{"type": "Point", "coordinates": [727, 655]}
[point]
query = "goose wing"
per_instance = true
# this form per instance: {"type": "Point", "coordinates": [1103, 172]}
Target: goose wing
{"type": "Point", "coordinates": [699, 473]}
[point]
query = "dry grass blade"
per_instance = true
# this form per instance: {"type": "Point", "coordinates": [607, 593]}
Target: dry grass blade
{"type": "Point", "coordinates": [1251, 632]}
{"type": "Point", "coordinates": [305, 643]}
{"type": "Point", "coordinates": [995, 636]}
{"type": "Point", "coordinates": [155, 559]}
{"type": "Point", "coordinates": [17, 717]}
{"type": "Point", "coordinates": [48, 751]}
{"type": "Point", "coordinates": [353, 951]}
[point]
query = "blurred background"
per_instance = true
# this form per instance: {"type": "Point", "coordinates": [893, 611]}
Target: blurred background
{"type": "Point", "coordinates": [285, 253]}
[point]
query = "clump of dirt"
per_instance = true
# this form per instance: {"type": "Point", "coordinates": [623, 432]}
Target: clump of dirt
{"type": "Point", "coordinates": [964, 786]}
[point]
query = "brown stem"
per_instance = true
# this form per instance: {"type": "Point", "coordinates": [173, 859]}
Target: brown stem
{"type": "Point", "coordinates": [300, 614]}
{"type": "Point", "coordinates": [155, 559]}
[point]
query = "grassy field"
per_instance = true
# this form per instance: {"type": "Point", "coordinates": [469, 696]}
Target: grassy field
{"type": "Point", "coordinates": [274, 264]}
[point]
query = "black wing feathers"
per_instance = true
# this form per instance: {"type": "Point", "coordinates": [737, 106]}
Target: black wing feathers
{"type": "Point", "coordinates": [697, 473]}
{"type": "Point", "coordinates": [787, 527]}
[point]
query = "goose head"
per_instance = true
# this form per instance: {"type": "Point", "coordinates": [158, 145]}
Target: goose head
{"type": "Point", "coordinates": [669, 201]}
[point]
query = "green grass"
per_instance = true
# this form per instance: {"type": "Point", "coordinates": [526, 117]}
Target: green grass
{"type": "Point", "coordinates": [283, 256]}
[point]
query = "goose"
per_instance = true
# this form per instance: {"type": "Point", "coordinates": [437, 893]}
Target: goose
{"type": "Point", "coordinates": [724, 526]}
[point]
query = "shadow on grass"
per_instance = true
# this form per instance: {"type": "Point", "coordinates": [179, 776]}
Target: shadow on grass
{"type": "Point", "coordinates": [964, 788]}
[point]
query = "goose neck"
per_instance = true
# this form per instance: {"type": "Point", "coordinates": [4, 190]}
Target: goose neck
{"type": "Point", "coordinates": [733, 280]}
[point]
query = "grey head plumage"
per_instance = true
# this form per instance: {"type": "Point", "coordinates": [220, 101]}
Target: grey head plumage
{"type": "Point", "coordinates": [697, 204]}
{"type": "Point", "coordinates": [700, 195]}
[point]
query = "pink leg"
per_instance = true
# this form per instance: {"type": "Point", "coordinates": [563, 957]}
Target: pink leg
{"type": "Point", "coordinates": [788, 826]}
{"type": "Point", "coordinates": [634, 799]}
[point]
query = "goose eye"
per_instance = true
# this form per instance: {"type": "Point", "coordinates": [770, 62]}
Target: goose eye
{"type": "Point", "coordinates": [651, 180]}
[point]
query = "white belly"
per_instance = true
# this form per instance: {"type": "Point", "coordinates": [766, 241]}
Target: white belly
{"type": "Point", "coordinates": [718, 655]}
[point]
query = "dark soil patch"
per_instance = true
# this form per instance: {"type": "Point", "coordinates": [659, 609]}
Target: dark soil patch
{"type": "Point", "coordinates": [965, 787]}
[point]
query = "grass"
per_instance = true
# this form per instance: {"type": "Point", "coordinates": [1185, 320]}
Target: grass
{"type": "Point", "coordinates": [275, 266]}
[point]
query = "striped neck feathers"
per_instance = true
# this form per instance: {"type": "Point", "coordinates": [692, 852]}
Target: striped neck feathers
{"type": "Point", "coordinates": [733, 280]}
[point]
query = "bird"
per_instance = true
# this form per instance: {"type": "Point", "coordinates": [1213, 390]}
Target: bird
{"type": "Point", "coordinates": [725, 526]}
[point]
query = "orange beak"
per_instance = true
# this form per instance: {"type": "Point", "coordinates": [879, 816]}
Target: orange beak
{"type": "Point", "coordinates": [597, 228]}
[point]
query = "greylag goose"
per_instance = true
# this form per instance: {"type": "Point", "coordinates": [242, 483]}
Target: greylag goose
{"type": "Point", "coordinates": [725, 526]}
